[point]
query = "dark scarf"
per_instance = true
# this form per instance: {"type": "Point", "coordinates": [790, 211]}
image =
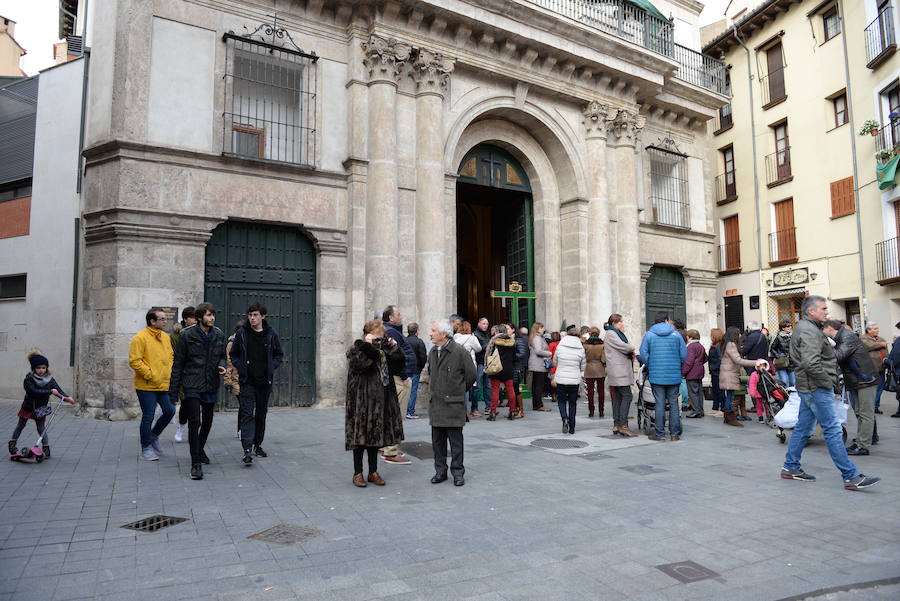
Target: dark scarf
{"type": "Point", "coordinates": [617, 331]}
{"type": "Point", "coordinates": [593, 340]}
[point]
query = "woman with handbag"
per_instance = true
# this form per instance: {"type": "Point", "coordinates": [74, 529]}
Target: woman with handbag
{"type": "Point", "coordinates": [729, 373]}
{"type": "Point", "coordinates": [619, 372]}
{"type": "Point", "coordinates": [538, 364]}
{"type": "Point", "coordinates": [499, 365]}
{"type": "Point", "coordinates": [780, 353]}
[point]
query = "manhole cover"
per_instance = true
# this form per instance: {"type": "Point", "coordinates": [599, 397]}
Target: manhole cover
{"type": "Point", "coordinates": [283, 534]}
{"type": "Point", "coordinates": [154, 523]}
{"type": "Point", "coordinates": [559, 443]}
{"type": "Point", "coordinates": [642, 470]}
{"type": "Point", "coordinates": [418, 449]}
{"type": "Point", "coordinates": [687, 571]}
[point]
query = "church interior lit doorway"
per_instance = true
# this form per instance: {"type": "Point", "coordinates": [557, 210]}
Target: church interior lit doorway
{"type": "Point", "coordinates": [494, 234]}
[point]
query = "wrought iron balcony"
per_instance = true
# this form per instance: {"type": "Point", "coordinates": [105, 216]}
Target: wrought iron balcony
{"type": "Point", "coordinates": [888, 137]}
{"type": "Point", "coordinates": [726, 187]}
{"type": "Point", "coordinates": [625, 20]}
{"type": "Point", "coordinates": [880, 40]}
{"type": "Point", "coordinates": [773, 88]}
{"type": "Point", "coordinates": [724, 119]}
{"type": "Point", "coordinates": [730, 257]}
{"type": "Point", "coordinates": [783, 246]}
{"type": "Point", "coordinates": [887, 262]}
{"type": "Point", "coordinates": [778, 167]}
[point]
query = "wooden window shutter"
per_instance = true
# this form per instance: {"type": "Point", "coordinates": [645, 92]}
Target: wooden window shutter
{"type": "Point", "coordinates": [842, 202]}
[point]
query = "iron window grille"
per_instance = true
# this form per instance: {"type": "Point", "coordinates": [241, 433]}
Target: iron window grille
{"type": "Point", "coordinates": [270, 98]}
{"type": "Point", "coordinates": [669, 186]}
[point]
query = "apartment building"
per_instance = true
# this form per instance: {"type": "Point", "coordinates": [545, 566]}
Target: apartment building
{"type": "Point", "coordinates": [806, 200]}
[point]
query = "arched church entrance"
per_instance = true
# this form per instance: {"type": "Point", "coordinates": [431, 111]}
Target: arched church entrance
{"type": "Point", "coordinates": [494, 235]}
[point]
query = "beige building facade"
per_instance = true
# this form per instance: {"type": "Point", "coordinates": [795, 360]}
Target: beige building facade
{"type": "Point", "coordinates": [11, 52]}
{"type": "Point", "coordinates": [799, 207]}
{"type": "Point", "coordinates": [350, 155]}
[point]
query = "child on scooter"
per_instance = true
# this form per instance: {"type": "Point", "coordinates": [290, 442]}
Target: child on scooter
{"type": "Point", "coordinates": [39, 385]}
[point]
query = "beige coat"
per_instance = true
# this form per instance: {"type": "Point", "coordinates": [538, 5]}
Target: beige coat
{"type": "Point", "coordinates": [729, 372]}
{"type": "Point", "coordinates": [619, 365]}
{"type": "Point", "coordinates": [596, 360]}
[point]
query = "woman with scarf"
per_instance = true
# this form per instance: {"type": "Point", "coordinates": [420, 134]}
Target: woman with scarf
{"type": "Point", "coordinates": [595, 371]}
{"type": "Point", "coordinates": [619, 372]}
{"type": "Point", "coordinates": [372, 418]}
{"type": "Point", "coordinates": [505, 344]}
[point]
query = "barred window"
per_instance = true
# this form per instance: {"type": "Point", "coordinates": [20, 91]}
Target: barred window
{"type": "Point", "coordinates": [669, 187]}
{"type": "Point", "coordinates": [270, 102]}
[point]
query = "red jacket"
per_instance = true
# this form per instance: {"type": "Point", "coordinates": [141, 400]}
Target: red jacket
{"type": "Point", "coordinates": [692, 368]}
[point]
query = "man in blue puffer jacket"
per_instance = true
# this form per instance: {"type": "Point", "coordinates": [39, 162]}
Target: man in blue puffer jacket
{"type": "Point", "coordinates": [663, 351]}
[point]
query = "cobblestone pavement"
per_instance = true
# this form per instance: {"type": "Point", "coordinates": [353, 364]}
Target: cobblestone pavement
{"type": "Point", "coordinates": [531, 523]}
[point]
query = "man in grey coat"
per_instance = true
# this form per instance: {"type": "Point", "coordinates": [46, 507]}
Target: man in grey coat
{"type": "Point", "coordinates": [451, 373]}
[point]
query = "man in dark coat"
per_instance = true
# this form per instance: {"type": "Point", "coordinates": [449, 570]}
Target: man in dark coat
{"type": "Point", "coordinates": [393, 328]}
{"type": "Point", "coordinates": [451, 373]}
{"type": "Point", "coordinates": [755, 344]}
{"type": "Point", "coordinates": [418, 347]}
{"type": "Point", "coordinates": [860, 380]}
{"type": "Point", "coordinates": [198, 365]}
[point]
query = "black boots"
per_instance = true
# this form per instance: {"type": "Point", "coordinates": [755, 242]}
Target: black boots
{"type": "Point", "coordinates": [13, 450]}
{"type": "Point", "coordinates": [46, 450]}
{"type": "Point", "coordinates": [197, 471]}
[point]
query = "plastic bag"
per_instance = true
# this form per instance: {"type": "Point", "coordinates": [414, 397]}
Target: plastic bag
{"type": "Point", "coordinates": [840, 409]}
{"type": "Point", "coordinates": [790, 413]}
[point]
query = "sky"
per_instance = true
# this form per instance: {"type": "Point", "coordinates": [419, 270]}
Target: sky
{"type": "Point", "coordinates": [37, 25]}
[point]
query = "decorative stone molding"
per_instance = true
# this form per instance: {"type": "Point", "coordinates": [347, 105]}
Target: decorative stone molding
{"type": "Point", "coordinates": [626, 126]}
{"type": "Point", "coordinates": [147, 225]}
{"type": "Point", "coordinates": [385, 58]}
{"type": "Point", "coordinates": [328, 241]}
{"type": "Point", "coordinates": [431, 71]}
{"type": "Point", "coordinates": [596, 114]}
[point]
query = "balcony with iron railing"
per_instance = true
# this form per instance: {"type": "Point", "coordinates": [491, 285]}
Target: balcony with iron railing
{"type": "Point", "coordinates": [783, 246]}
{"type": "Point", "coordinates": [730, 257]}
{"type": "Point", "coordinates": [778, 167]}
{"type": "Point", "coordinates": [726, 187]}
{"type": "Point", "coordinates": [671, 212]}
{"type": "Point", "coordinates": [880, 40]}
{"type": "Point", "coordinates": [724, 120]}
{"type": "Point", "coordinates": [773, 88]}
{"type": "Point", "coordinates": [629, 22]}
{"type": "Point", "coordinates": [887, 262]}
{"type": "Point", "coordinates": [887, 140]}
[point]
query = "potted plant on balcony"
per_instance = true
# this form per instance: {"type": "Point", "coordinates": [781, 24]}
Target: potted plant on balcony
{"type": "Point", "coordinates": [869, 127]}
{"type": "Point", "coordinates": [884, 155]}
{"type": "Point", "coordinates": [894, 115]}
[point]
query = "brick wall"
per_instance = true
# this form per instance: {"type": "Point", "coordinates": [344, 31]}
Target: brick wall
{"type": "Point", "coordinates": [15, 217]}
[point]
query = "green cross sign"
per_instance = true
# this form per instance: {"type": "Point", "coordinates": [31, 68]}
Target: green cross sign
{"type": "Point", "coordinates": [515, 293]}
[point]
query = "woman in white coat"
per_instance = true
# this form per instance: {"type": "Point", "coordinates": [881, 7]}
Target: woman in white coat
{"type": "Point", "coordinates": [570, 361]}
{"type": "Point", "coordinates": [468, 341]}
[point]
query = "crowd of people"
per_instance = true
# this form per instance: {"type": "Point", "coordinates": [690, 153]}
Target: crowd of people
{"type": "Point", "coordinates": [488, 367]}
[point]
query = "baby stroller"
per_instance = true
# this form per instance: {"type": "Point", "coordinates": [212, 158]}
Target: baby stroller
{"type": "Point", "coordinates": [774, 396]}
{"type": "Point", "coordinates": [646, 403]}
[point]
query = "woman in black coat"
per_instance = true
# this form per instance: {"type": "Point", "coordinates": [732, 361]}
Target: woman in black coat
{"type": "Point", "coordinates": [506, 347]}
{"type": "Point", "coordinates": [372, 418]}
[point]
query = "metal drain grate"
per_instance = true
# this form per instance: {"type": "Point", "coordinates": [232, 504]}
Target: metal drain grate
{"type": "Point", "coordinates": [558, 443]}
{"type": "Point", "coordinates": [283, 534]}
{"type": "Point", "coordinates": [687, 571]}
{"type": "Point", "coordinates": [154, 523]}
{"type": "Point", "coordinates": [418, 449]}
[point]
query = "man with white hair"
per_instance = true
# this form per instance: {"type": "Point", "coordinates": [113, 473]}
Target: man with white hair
{"type": "Point", "coordinates": [451, 373]}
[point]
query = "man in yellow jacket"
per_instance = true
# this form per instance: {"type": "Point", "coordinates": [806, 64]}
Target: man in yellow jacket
{"type": "Point", "coordinates": [150, 356]}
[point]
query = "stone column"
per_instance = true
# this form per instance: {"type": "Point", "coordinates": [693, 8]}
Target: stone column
{"type": "Point", "coordinates": [599, 258]}
{"type": "Point", "coordinates": [624, 130]}
{"type": "Point", "coordinates": [431, 73]}
{"type": "Point", "coordinates": [384, 59]}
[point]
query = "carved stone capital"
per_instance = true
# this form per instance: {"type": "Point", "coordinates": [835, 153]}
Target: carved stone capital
{"type": "Point", "coordinates": [385, 58]}
{"type": "Point", "coordinates": [626, 127]}
{"type": "Point", "coordinates": [596, 114]}
{"type": "Point", "coordinates": [431, 71]}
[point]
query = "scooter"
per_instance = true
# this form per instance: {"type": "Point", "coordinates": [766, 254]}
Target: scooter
{"type": "Point", "coordinates": [36, 452]}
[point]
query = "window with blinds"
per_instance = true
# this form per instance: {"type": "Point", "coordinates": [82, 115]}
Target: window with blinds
{"type": "Point", "coordinates": [842, 201]}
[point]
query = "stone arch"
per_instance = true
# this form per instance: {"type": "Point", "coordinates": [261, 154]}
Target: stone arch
{"type": "Point", "coordinates": [543, 171]}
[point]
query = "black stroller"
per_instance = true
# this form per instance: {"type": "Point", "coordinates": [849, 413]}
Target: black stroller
{"type": "Point", "coordinates": [773, 396]}
{"type": "Point", "coordinates": [646, 403]}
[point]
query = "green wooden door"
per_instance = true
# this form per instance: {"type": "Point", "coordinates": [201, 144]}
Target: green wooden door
{"type": "Point", "coordinates": [665, 292]}
{"type": "Point", "coordinates": [247, 262]}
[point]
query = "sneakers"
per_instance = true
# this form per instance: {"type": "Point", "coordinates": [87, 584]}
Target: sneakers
{"type": "Point", "coordinates": [397, 460]}
{"type": "Point", "coordinates": [260, 452]}
{"type": "Point", "coordinates": [248, 457]}
{"type": "Point", "coordinates": [675, 438]}
{"type": "Point", "coordinates": [13, 450]}
{"type": "Point", "coordinates": [203, 458]}
{"type": "Point", "coordinates": [180, 432]}
{"type": "Point", "coordinates": [197, 472]}
{"type": "Point", "coordinates": [797, 475]}
{"type": "Point", "coordinates": [412, 416]}
{"type": "Point", "coordinates": [46, 450]}
{"type": "Point", "coordinates": [855, 449]}
{"type": "Point", "coordinates": [859, 482]}
{"type": "Point", "coordinates": [157, 448]}
{"type": "Point", "coordinates": [761, 419]}
{"type": "Point", "coordinates": [147, 454]}
{"type": "Point", "coordinates": [657, 438]}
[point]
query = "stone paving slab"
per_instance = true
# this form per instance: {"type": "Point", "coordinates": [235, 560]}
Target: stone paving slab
{"type": "Point", "coordinates": [531, 523]}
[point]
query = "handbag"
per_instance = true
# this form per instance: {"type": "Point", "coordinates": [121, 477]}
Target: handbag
{"type": "Point", "coordinates": [548, 364]}
{"type": "Point", "coordinates": [493, 365]}
{"type": "Point", "coordinates": [890, 383]}
{"type": "Point", "coordinates": [782, 362]}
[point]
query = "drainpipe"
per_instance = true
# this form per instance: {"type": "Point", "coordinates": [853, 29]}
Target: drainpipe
{"type": "Point", "coordinates": [863, 305]}
{"type": "Point", "coordinates": [86, 52]}
{"type": "Point", "coordinates": [753, 142]}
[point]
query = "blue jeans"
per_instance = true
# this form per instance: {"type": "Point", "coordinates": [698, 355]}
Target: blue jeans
{"type": "Point", "coordinates": [729, 401]}
{"type": "Point", "coordinates": [662, 394]}
{"type": "Point", "coordinates": [483, 382]}
{"type": "Point", "coordinates": [149, 399]}
{"type": "Point", "coordinates": [879, 390]}
{"type": "Point", "coordinates": [413, 391]}
{"type": "Point", "coordinates": [819, 406]}
{"type": "Point", "coordinates": [683, 391]}
{"type": "Point", "coordinates": [788, 376]}
{"type": "Point", "coordinates": [567, 401]}
{"type": "Point", "coordinates": [717, 394]}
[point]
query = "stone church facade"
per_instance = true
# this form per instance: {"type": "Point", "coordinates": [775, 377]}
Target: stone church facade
{"type": "Point", "coordinates": [317, 155]}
